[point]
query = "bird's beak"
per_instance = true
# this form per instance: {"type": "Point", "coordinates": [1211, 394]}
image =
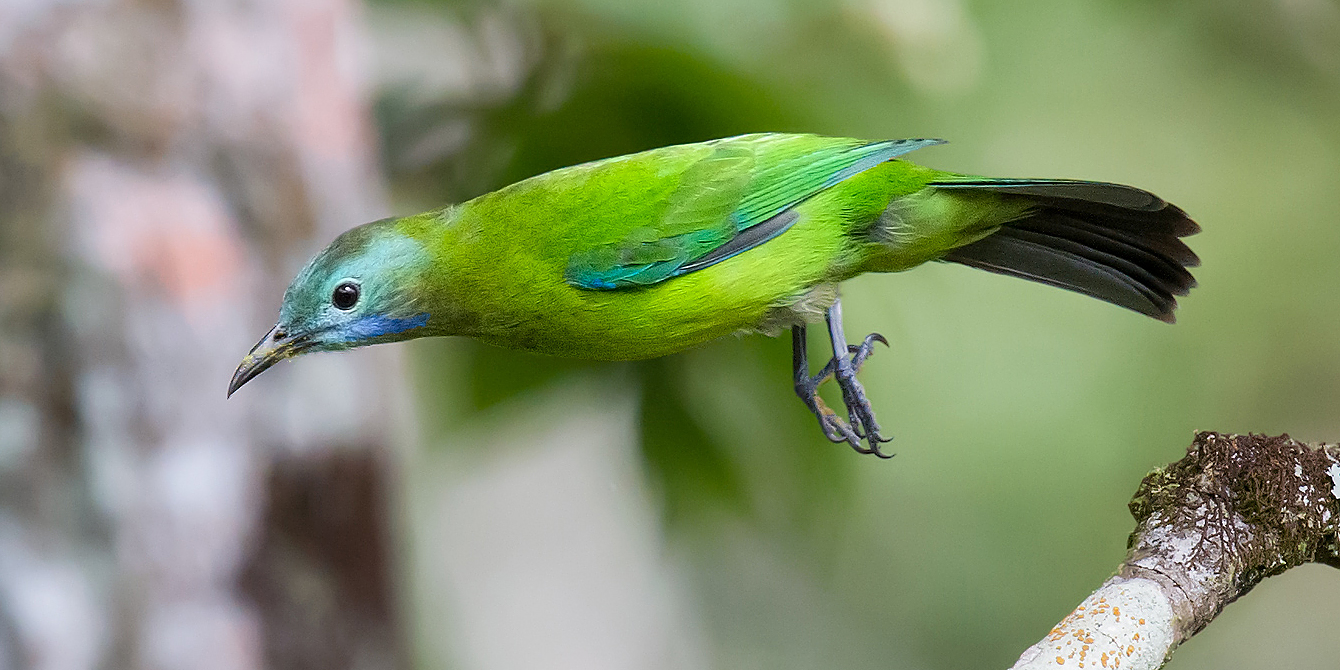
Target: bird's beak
{"type": "Point", "coordinates": [274, 347]}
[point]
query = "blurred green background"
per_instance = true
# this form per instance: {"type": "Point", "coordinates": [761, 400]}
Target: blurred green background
{"type": "Point", "coordinates": [167, 165]}
{"type": "Point", "coordinates": [1024, 416]}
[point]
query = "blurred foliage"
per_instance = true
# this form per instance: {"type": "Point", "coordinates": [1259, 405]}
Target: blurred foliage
{"type": "Point", "coordinates": [1025, 416]}
{"type": "Point", "coordinates": [592, 93]}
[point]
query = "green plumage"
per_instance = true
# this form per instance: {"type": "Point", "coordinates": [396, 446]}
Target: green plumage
{"type": "Point", "coordinates": [503, 263]}
{"type": "Point", "coordinates": [647, 254]}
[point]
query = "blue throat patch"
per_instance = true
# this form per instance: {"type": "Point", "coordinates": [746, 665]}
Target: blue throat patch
{"type": "Point", "coordinates": [374, 326]}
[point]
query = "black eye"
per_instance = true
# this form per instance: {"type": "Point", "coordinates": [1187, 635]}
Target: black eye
{"type": "Point", "coordinates": [345, 296]}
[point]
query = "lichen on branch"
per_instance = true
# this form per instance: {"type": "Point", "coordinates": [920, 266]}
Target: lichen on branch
{"type": "Point", "coordinates": [1235, 510]}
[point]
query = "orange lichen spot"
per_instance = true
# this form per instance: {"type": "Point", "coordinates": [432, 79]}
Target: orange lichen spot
{"type": "Point", "coordinates": [1116, 611]}
{"type": "Point", "coordinates": [1135, 637]}
{"type": "Point", "coordinates": [1130, 649]}
{"type": "Point", "coordinates": [1088, 640]}
{"type": "Point", "coordinates": [1142, 622]}
{"type": "Point", "coordinates": [1060, 661]}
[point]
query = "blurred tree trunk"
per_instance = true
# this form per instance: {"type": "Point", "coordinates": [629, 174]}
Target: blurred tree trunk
{"type": "Point", "coordinates": [164, 167]}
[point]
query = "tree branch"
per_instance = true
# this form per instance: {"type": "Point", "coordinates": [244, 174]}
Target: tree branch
{"type": "Point", "coordinates": [1235, 510]}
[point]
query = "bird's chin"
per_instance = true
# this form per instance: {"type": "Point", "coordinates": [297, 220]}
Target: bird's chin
{"type": "Point", "coordinates": [276, 346]}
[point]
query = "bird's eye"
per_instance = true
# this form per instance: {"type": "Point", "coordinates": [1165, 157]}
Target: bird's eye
{"type": "Point", "coordinates": [345, 296]}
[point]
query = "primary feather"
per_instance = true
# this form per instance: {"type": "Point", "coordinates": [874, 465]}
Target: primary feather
{"type": "Point", "coordinates": [1112, 242]}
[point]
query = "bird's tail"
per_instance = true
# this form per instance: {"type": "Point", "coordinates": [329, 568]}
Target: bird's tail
{"type": "Point", "coordinates": [1115, 243]}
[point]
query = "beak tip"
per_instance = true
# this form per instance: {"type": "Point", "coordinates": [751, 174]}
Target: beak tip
{"type": "Point", "coordinates": [252, 366]}
{"type": "Point", "coordinates": [239, 379]}
{"type": "Point", "coordinates": [266, 353]}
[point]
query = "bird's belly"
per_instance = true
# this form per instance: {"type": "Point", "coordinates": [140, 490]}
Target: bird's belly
{"type": "Point", "coordinates": [680, 313]}
{"type": "Point", "coordinates": [753, 291]}
{"type": "Point", "coordinates": [642, 323]}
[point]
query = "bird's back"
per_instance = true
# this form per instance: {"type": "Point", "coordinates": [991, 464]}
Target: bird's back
{"type": "Point", "coordinates": [527, 249]}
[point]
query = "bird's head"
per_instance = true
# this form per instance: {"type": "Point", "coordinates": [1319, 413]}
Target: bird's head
{"type": "Point", "coordinates": [362, 289]}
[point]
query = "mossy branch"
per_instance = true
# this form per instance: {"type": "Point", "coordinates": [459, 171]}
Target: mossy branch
{"type": "Point", "coordinates": [1235, 510]}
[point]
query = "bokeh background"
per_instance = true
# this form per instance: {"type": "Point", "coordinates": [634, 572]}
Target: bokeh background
{"type": "Point", "coordinates": [167, 165]}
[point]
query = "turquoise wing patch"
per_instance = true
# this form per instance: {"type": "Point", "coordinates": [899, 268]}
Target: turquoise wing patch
{"type": "Point", "coordinates": [741, 195]}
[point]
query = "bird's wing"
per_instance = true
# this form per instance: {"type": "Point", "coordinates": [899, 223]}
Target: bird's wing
{"type": "Point", "coordinates": [737, 197]}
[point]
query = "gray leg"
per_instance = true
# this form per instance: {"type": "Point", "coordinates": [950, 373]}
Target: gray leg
{"type": "Point", "coordinates": [847, 360]}
{"type": "Point", "coordinates": [807, 388]}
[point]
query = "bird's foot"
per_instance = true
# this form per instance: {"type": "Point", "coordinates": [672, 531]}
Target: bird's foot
{"type": "Point", "coordinates": [859, 412]}
{"type": "Point", "coordinates": [860, 425]}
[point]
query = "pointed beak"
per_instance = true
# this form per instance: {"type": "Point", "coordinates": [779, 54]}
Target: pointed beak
{"type": "Point", "coordinates": [274, 347]}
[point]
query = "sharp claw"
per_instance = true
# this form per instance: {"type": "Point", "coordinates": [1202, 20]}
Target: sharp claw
{"type": "Point", "coordinates": [836, 430]}
{"type": "Point", "coordinates": [833, 431]}
{"type": "Point", "coordinates": [853, 441]}
{"type": "Point", "coordinates": [864, 350]}
{"type": "Point", "coordinates": [832, 426]}
{"type": "Point", "coordinates": [860, 428]}
{"type": "Point", "coordinates": [874, 449]}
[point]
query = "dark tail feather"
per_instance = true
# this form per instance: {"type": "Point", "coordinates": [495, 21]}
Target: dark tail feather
{"type": "Point", "coordinates": [1115, 243]}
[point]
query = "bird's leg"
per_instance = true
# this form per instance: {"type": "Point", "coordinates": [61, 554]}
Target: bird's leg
{"type": "Point", "coordinates": [807, 388]}
{"type": "Point", "coordinates": [847, 360]}
{"type": "Point", "coordinates": [859, 412]}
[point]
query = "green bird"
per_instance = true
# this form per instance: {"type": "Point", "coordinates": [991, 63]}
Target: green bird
{"type": "Point", "coordinates": [652, 253]}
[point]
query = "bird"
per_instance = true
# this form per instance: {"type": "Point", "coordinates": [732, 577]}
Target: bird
{"type": "Point", "coordinates": [651, 253]}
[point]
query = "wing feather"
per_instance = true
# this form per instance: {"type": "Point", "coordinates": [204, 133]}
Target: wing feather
{"type": "Point", "coordinates": [730, 201]}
